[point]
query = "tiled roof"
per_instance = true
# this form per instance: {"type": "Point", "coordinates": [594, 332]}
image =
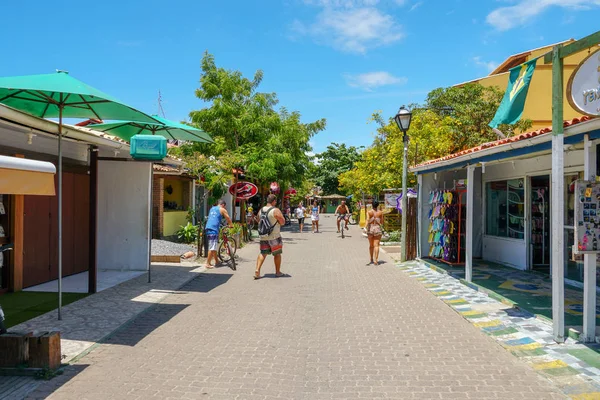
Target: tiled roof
{"type": "Point", "coordinates": [166, 168]}
{"type": "Point", "coordinates": [512, 139]}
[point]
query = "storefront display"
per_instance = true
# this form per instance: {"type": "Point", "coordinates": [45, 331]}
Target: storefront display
{"type": "Point", "coordinates": [505, 205]}
{"type": "Point", "coordinates": [587, 217]}
{"type": "Point", "coordinates": [446, 225]}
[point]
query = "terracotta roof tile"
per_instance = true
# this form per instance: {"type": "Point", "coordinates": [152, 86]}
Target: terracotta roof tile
{"type": "Point", "coordinates": [512, 139]}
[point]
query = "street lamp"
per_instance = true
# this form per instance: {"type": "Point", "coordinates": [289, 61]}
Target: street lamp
{"type": "Point", "coordinates": [402, 119]}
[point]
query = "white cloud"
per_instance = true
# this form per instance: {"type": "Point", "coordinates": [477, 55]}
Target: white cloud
{"type": "Point", "coordinates": [488, 65]}
{"type": "Point", "coordinates": [373, 80]}
{"type": "Point", "coordinates": [416, 5]}
{"type": "Point", "coordinates": [505, 18]}
{"type": "Point", "coordinates": [352, 26]}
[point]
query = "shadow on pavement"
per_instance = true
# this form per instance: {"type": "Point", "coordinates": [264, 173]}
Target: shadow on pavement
{"type": "Point", "coordinates": [204, 283]}
{"type": "Point", "coordinates": [276, 277]}
{"type": "Point", "coordinates": [132, 333]}
{"type": "Point", "coordinates": [47, 388]}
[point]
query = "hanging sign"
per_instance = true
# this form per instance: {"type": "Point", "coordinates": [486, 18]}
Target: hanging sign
{"type": "Point", "coordinates": [587, 217]}
{"type": "Point", "coordinates": [243, 190]}
{"type": "Point", "coordinates": [583, 89]}
{"type": "Point", "coordinates": [275, 188]}
{"type": "Point", "coordinates": [391, 199]}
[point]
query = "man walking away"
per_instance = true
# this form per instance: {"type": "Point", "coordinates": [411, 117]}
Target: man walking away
{"type": "Point", "coordinates": [269, 228]}
{"type": "Point", "coordinates": [213, 225]}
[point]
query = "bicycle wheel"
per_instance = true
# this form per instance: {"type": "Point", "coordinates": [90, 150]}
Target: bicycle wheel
{"type": "Point", "coordinates": [342, 229]}
{"type": "Point", "coordinates": [226, 251]}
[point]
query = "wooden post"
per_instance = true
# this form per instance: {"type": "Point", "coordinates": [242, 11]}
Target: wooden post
{"type": "Point", "coordinates": [17, 235]}
{"type": "Point", "coordinates": [92, 261]}
{"type": "Point", "coordinates": [558, 182]}
{"type": "Point", "coordinates": [469, 222]}
{"type": "Point", "coordinates": [44, 351]}
{"type": "Point", "coordinates": [589, 260]}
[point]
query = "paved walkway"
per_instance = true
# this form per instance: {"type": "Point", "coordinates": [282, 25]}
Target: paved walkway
{"type": "Point", "coordinates": [573, 366]}
{"type": "Point", "coordinates": [334, 329]}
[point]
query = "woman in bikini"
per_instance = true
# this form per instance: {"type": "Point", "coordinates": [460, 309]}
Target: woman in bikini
{"type": "Point", "coordinates": [374, 231]}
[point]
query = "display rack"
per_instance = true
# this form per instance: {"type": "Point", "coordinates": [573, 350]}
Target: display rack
{"type": "Point", "coordinates": [446, 227]}
{"type": "Point", "coordinates": [540, 222]}
{"type": "Point", "coordinates": [515, 217]}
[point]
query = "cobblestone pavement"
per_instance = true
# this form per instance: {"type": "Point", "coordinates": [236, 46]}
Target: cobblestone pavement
{"type": "Point", "coordinates": [335, 328]}
{"type": "Point", "coordinates": [572, 366]}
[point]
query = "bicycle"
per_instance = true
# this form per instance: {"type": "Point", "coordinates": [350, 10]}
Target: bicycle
{"type": "Point", "coordinates": [342, 218]}
{"type": "Point", "coordinates": [353, 218]}
{"type": "Point", "coordinates": [227, 249]}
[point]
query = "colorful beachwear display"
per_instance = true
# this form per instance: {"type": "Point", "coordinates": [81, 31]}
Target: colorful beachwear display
{"type": "Point", "coordinates": [446, 216]}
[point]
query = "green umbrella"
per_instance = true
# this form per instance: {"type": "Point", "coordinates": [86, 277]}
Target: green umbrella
{"type": "Point", "coordinates": [164, 127]}
{"type": "Point", "coordinates": [56, 96]}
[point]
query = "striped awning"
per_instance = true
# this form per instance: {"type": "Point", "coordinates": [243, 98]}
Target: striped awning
{"type": "Point", "coordinates": [22, 176]}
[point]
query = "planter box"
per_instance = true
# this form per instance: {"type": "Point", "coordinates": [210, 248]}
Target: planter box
{"type": "Point", "coordinates": [14, 349]}
{"type": "Point", "coordinates": [44, 350]}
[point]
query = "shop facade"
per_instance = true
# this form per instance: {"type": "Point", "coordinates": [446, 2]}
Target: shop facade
{"type": "Point", "coordinates": [505, 192]}
{"type": "Point", "coordinates": [173, 195]}
{"type": "Point", "coordinates": [105, 226]}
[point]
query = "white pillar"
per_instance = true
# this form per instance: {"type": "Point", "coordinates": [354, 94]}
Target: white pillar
{"type": "Point", "coordinates": [557, 245]}
{"type": "Point", "coordinates": [589, 260]}
{"type": "Point", "coordinates": [469, 222]}
{"type": "Point", "coordinates": [420, 202]}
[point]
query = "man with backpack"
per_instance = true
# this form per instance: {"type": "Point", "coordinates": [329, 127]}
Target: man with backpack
{"type": "Point", "coordinates": [269, 227]}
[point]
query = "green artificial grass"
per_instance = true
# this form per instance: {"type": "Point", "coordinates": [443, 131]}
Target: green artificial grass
{"type": "Point", "coordinates": [22, 306]}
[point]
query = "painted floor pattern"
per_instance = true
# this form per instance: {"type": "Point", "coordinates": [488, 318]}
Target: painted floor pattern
{"type": "Point", "coordinates": [572, 366]}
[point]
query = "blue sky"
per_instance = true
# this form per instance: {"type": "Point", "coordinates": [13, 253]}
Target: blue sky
{"type": "Point", "coordinates": [334, 59]}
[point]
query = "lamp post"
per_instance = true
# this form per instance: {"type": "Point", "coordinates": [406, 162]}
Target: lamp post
{"type": "Point", "coordinates": [402, 119]}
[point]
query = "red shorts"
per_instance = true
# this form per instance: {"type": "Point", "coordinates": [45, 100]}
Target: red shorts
{"type": "Point", "coordinates": [273, 246]}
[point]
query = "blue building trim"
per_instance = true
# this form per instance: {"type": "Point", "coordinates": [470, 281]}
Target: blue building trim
{"type": "Point", "coordinates": [572, 139]}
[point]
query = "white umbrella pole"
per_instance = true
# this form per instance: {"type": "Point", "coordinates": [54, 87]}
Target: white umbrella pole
{"type": "Point", "coordinates": [60, 111]}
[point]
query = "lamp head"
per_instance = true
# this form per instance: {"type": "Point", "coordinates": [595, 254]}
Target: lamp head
{"type": "Point", "coordinates": [403, 118]}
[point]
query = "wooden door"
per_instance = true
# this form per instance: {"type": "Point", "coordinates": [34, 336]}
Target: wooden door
{"type": "Point", "coordinates": [36, 247]}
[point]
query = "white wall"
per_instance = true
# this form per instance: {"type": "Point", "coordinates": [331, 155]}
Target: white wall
{"type": "Point", "coordinates": [123, 215]}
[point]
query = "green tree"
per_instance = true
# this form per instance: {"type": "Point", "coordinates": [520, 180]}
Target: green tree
{"type": "Point", "coordinates": [452, 119]}
{"type": "Point", "coordinates": [337, 159]}
{"type": "Point", "coordinates": [249, 132]}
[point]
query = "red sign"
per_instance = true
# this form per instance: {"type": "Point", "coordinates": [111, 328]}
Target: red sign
{"type": "Point", "coordinates": [243, 190]}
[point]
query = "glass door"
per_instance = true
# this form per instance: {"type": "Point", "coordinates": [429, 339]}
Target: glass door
{"type": "Point", "coordinates": [539, 229]}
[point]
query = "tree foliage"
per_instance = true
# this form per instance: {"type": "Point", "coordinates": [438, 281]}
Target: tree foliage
{"type": "Point", "coordinates": [337, 159]}
{"type": "Point", "coordinates": [451, 120]}
{"type": "Point", "coordinates": [269, 144]}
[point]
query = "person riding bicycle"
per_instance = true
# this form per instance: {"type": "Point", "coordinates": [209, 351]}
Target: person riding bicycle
{"type": "Point", "coordinates": [343, 212]}
{"type": "Point", "coordinates": [213, 225]}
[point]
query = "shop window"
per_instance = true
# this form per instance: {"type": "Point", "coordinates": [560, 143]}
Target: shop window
{"type": "Point", "coordinates": [505, 209]}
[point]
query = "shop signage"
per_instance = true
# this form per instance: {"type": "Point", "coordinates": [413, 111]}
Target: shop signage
{"type": "Point", "coordinates": [148, 147]}
{"type": "Point", "coordinates": [392, 199]}
{"type": "Point", "coordinates": [583, 89]}
{"type": "Point", "coordinates": [243, 190]}
{"type": "Point", "coordinates": [587, 217]}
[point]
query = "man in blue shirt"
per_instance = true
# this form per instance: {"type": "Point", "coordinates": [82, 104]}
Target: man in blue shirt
{"type": "Point", "coordinates": [213, 225]}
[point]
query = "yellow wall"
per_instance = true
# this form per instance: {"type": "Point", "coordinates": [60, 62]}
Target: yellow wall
{"type": "Point", "coordinates": [177, 195]}
{"type": "Point", "coordinates": [172, 221]}
{"type": "Point", "coordinates": [538, 106]}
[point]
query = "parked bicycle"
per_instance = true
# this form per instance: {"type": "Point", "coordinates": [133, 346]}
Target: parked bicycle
{"type": "Point", "coordinates": [227, 248]}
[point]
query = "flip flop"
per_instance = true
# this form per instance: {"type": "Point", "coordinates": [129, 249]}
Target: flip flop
{"type": "Point", "coordinates": [209, 266]}
{"type": "Point", "coordinates": [280, 275]}
{"type": "Point", "coordinates": [257, 277]}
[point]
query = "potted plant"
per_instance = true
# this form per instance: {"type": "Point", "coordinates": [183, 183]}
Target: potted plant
{"type": "Point", "coordinates": [236, 233]}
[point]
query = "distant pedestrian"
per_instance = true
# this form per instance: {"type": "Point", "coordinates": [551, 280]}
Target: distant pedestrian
{"type": "Point", "coordinates": [300, 214]}
{"type": "Point", "coordinates": [374, 231]}
{"type": "Point", "coordinates": [269, 228]}
{"type": "Point", "coordinates": [213, 225]}
{"type": "Point", "coordinates": [314, 217]}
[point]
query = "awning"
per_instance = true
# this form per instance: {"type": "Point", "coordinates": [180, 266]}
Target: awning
{"type": "Point", "coordinates": [21, 176]}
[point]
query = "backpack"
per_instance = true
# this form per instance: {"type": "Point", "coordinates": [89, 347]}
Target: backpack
{"type": "Point", "coordinates": [265, 228]}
